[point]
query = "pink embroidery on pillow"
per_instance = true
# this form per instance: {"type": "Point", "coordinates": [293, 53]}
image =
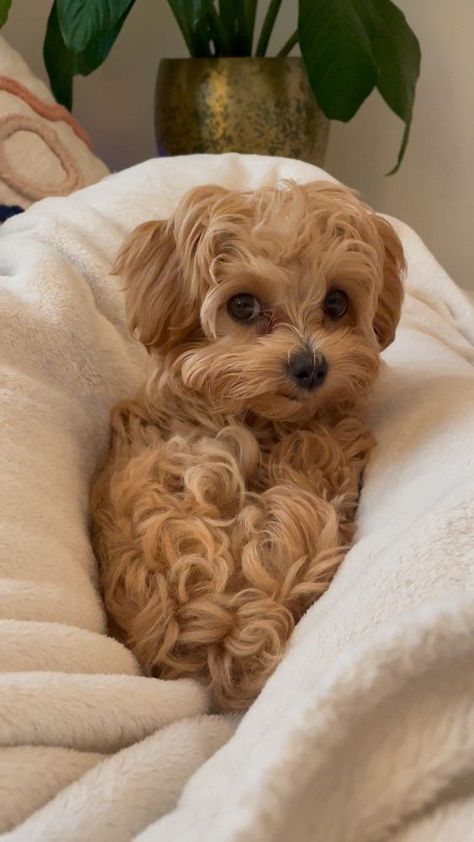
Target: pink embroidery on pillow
{"type": "Point", "coordinates": [11, 123]}
{"type": "Point", "coordinates": [52, 111]}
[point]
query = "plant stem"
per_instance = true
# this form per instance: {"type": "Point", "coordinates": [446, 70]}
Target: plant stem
{"type": "Point", "coordinates": [267, 28]}
{"type": "Point", "coordinates": [183, 25]}
{"type": "Point", "coordinates": [288, 45]}
{"type": "Point", "coordinates": [240, 44]}
{"type": "Point", "coordinates": [219, 34]}
{"type": "Point", "coordinates": [250, 11]}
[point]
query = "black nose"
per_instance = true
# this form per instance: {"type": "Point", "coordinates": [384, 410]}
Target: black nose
{"type": "Point", "coordinates": [308, 370]}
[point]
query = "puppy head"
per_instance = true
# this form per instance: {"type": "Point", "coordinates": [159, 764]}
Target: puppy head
{"type": "Point", "coordinates": [276, 301]}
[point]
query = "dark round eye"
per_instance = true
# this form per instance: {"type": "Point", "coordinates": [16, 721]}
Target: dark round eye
{"type": "Point", "coordinates": [244, 307]}
{"type": "Point", "coordinates": [335, 304]}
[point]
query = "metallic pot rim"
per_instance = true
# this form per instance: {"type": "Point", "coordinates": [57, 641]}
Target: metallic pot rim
{"type": "Point", "coordinates": [234, 59]}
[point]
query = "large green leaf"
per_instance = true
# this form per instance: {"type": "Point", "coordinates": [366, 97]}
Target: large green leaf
{"type": "Point", "coordinates": [351, 46]}
{"type": "Point", "coordinates": [337, 53]}
{"type": "Point", "coordinates": [4, 9]}
{"type": "Point", "coordinates": [83, 21]}
{"type": "Point", "coordinates": [59, 60]}
{"type": "Point", "coordinates": [397, 56]}
{"type": "Point", "coordinates": [63, 64]}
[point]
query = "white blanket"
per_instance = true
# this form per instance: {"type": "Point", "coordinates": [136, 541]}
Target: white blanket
{"type": "Point", "coordinates": [365, 731]}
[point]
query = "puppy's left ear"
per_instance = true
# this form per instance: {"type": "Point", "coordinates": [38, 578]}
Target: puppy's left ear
{"type": "Point", "coordinates": [390, 299]}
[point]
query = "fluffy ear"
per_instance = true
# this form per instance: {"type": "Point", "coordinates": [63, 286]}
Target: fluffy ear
{"type": "Point", "coordinates": [391, 296]}
{"type": "Point", "coordinates": [165, 268]}
{"type": "Point", "coordinates": [158, 308]}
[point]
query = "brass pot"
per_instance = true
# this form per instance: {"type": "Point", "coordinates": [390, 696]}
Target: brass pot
{"type": "Point", "coordinates": [254, 105]}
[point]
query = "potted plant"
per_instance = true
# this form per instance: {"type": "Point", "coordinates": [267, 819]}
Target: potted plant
{"type": "Point", "coordinates": [229, 95]}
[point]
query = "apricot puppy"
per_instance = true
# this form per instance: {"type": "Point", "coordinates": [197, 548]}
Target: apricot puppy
{"type": "Point", "coordinates": [228, 497]}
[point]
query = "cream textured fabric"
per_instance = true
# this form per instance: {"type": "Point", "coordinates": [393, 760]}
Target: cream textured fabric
{"type": "Point", "coordinates": [365, 732]}
{"type": "Point", "coordinates": [43, 149]}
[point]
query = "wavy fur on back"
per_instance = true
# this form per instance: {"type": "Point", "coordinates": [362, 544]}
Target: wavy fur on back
{"type": "Point", "coordinates": [227, 500]}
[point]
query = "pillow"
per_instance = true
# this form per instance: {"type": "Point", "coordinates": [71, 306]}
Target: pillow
{"type": "Point", "coordinates": [43, 149]}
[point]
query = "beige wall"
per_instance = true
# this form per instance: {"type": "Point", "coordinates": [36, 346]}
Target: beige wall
{"type": "Point", "coordinates": [434, 191]}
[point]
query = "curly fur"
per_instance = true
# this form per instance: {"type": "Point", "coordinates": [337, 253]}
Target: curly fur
{"type": "Point", "coordinates": [228, 497]}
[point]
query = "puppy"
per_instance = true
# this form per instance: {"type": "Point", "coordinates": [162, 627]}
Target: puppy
{"type": "Point", "coordinates": [228, 497]}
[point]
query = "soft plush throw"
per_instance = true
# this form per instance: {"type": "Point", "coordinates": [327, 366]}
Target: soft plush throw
{"type": "Point", "coordinates": [365, 731]}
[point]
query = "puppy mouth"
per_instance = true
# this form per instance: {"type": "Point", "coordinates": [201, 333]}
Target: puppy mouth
{"type": "Point", "coordinates": [295, 398]}
{"type": "Point", "coordinates": [298, 394]}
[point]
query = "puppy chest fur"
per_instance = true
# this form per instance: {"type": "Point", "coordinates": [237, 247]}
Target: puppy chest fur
{"type": "Point", "coordinates": [214, 543]}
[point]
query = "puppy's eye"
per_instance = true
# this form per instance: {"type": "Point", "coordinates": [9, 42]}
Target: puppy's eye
{"type": "Point", "coordinates": [336, 303]}
{"type": "Point", "coordinates": [244, 307]}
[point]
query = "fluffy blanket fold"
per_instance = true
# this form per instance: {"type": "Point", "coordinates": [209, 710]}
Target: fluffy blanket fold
{"type": "Point", "coordinates": [365, 732]}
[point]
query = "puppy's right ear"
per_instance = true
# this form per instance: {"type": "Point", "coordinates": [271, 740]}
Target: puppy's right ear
{"type": "Point", "coordinates": [160, 312]}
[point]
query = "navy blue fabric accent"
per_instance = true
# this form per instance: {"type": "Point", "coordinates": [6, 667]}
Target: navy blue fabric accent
{"type": "Point", "coordinates": [9, 210]}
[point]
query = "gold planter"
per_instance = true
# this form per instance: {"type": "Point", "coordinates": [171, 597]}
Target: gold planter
{"type": "Point", "coordinates": [254, 105]}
